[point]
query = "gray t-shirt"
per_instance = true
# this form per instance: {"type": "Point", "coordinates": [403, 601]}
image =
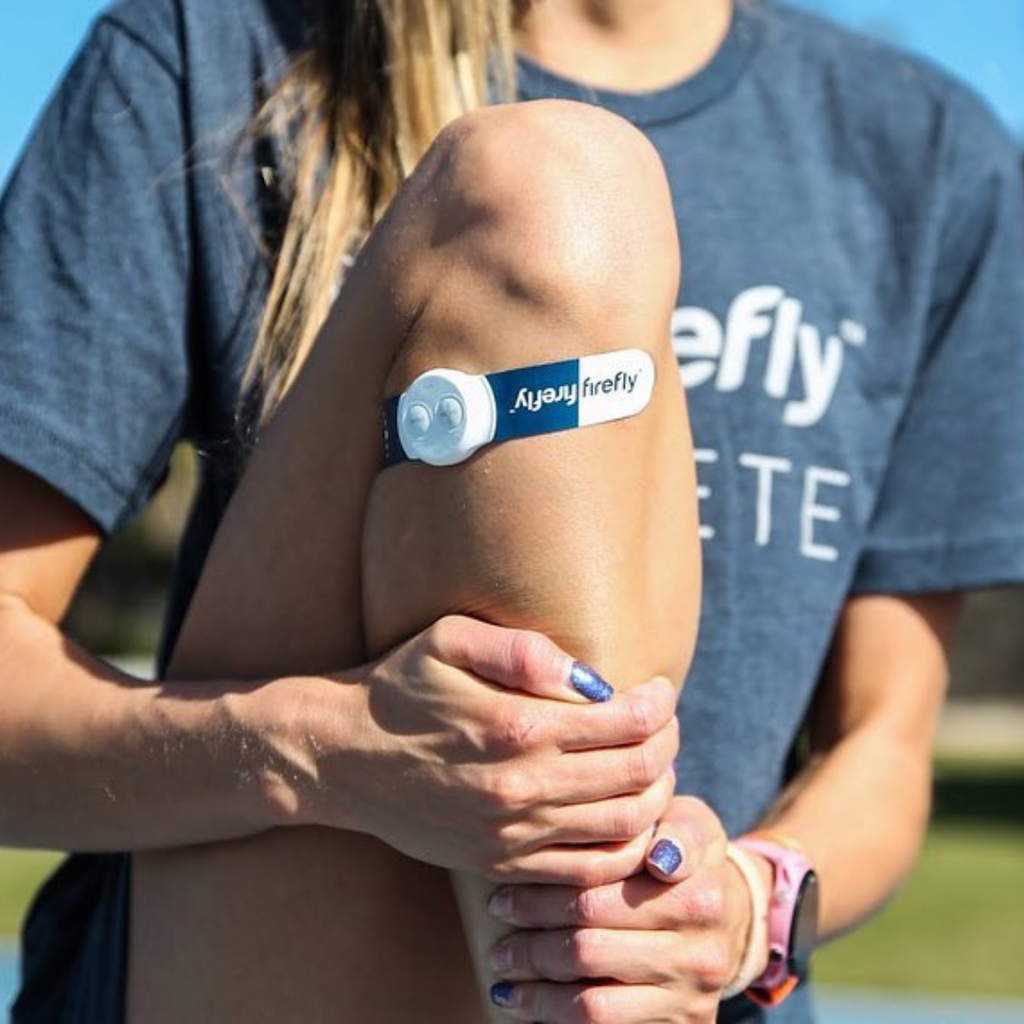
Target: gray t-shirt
{"type": "Point", "coordinates": [850, 330]}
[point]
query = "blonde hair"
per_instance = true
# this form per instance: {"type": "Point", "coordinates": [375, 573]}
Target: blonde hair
{"type": "Point", "coordinates": [354, 115]}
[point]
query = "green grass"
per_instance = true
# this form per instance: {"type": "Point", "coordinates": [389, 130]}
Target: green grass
{"type": "Point", "coordinates": [956, 926]}
{"type": "Point", "coordinates": [958, 923]}
{"type": "Point", "coordinates": [21, 872]}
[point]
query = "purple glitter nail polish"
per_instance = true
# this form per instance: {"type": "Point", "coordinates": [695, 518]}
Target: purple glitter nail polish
{"type": "Point", "coordinates": [501, 993]}
{"type": "Point", "coordinates": [666, 856]}
{"type": "Point", "coordinates": [587, 682]}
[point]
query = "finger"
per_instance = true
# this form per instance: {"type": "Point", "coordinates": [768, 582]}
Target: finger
{"type": "Point", "coordinates": [688, 833]}
{"type": "Point", "coordinates": [548, 1003]}
{"type": "Point", "coordinates": [632, 717]}
{"type": "Point", "coordinates": [615, 820]}
{"type": "Point", "coordinates": [636, 903]}
{"type": "Point", "coordinates": [580, 954]}
{"type": "Point", "coordinates": [517, 659]}
{"type": "Point", "coordinates": [639, 902]}
{"type": "Point", "coordinates": [582, 778]}
{"type": "Point", "coordinates": [584, 866]}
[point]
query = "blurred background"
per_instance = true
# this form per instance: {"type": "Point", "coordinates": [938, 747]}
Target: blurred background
{"type": "Point", "coordinates": [957, 929]}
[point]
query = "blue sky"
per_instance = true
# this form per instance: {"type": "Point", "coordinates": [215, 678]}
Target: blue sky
{"type": "Point", "coordinates": [981, 40]}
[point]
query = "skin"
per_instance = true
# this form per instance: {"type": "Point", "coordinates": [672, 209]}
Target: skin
{"type": "Point", "coordinates": [82, 732]}
{"type": "Point", "coordinates": [411, 749]}
{"type": "Point", "coordinates": [862, 800]}
{"type": "Point", "coordinates": [480, 264]}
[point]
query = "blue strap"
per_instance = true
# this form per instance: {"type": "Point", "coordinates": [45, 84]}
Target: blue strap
{"type": "Point", "coordinates": [530, 400]}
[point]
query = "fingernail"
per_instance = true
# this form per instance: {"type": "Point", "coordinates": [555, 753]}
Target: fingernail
{"type": "Point", "coordinates": [503, 994]}
{"type": "Point", "coordinates": [666, 856]}
{"type": "Point", "coordinates": [501, 958]}
{"type": "Point", "coordinates": [500, 905]}
{"type": "Point", "coordinates": [586, 681]}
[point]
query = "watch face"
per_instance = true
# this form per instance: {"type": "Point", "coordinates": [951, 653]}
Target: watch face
{"type": "Point", "coordinates": [804, 935]}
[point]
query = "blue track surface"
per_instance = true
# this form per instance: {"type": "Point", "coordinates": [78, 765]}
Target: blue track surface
{"type": "Point", "coordinates": [890, 1008]}
{"type": "Point", "coordinates": [8, 976]}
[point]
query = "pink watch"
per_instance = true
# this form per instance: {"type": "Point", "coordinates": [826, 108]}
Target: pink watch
{"type": "Point", "coordinates": [792, 916]}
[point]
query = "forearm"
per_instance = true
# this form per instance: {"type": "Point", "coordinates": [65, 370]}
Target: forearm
{"type": "Point", "coordinates": [860, 813]}
{"type": "Point", "coordinates": [860, 808]}
{"type": "Point", "coordinates": [91, 759]}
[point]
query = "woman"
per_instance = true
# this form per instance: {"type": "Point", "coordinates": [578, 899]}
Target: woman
{"type": "Point", "coordinates": [816, 404]}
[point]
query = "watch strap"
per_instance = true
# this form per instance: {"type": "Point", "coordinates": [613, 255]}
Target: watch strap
{"type": "Point", "coordinates": [790, 867]}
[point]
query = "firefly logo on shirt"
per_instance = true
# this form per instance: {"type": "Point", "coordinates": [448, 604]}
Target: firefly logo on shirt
{"type": "Point", "coordinates": [802, 364]}
{"type": "Point", "coordinates": [763, 342]}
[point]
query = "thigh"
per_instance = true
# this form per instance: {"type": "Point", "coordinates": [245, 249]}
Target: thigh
{"type": "Point", "coordinates": [303, 925]}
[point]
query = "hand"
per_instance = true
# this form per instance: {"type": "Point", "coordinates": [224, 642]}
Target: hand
{"type": "Point", "coordinates": [473, 751]}
{"type": "Point", "coordinates": [658, 948]}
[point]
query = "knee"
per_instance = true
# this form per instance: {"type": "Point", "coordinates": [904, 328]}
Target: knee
{"type": "Point", "coordinates": [561, 204]}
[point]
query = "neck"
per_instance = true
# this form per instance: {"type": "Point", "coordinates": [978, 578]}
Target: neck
{"type": "Point", "coordinates": [623, 45]}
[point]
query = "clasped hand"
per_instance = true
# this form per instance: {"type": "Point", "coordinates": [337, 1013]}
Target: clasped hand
{"type": "Point", "coordinates": [650, 948]}
{"type": "Point", "coordinates": [474, 752]}
{"type": "Point", "coordinates": [467, 747]}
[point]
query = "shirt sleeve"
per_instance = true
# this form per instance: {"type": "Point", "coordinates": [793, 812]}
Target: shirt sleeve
{"type": "Point", "coordinates": [950, 512]}
{"type": "Point", "coordinates": [94, 296]}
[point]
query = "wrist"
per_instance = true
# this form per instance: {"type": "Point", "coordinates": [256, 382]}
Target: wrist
{"type": "Point", "coordinates": [291, 729]}
{"type": "Point", "coordinates": [214, 738]}
{"type": "Point", "coordinates": [256, 749]}
{"type": "Point", "coordinates": [754, 875]}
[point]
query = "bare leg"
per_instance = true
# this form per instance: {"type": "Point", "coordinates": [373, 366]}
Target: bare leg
{"type": "Point", "coordinates": [589, 536]}
{"type": "Point", "coordinates": [600, 521]}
